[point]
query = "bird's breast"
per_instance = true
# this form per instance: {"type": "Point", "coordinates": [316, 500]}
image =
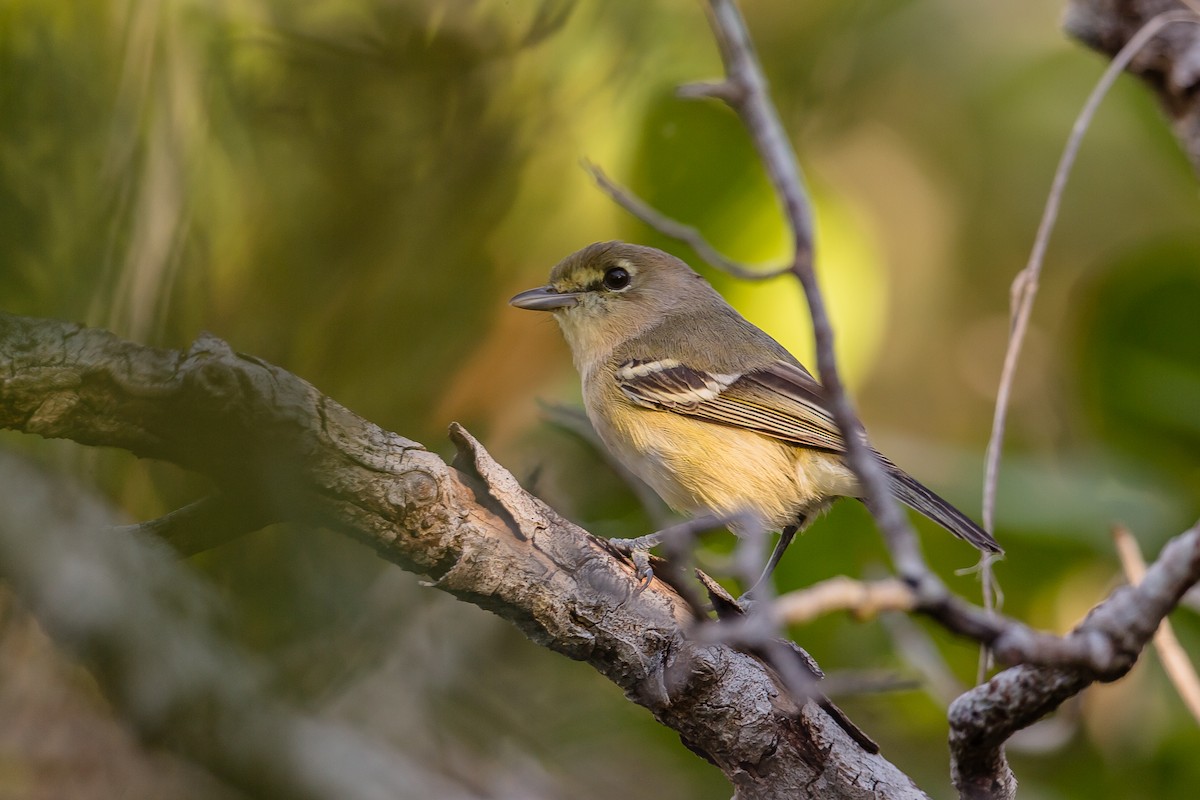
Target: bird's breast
{"type": "Point", "coordinates": [704, 467]}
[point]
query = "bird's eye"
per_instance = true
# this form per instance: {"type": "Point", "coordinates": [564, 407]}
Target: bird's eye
{"type": "Point", "coordinates": [616, 279]}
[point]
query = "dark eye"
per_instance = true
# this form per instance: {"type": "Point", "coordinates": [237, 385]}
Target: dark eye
{"type": "Point", "coordinates": [616, 279]}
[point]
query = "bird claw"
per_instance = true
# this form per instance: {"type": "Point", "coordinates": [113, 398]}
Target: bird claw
{"type": "Point", "coordinates": [638, 551]}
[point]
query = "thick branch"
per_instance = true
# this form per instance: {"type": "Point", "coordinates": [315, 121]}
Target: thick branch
{"type": "Point", "coordinates": [245, 423]}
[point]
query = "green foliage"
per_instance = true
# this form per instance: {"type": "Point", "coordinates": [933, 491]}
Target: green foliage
{"type": "Point", "coordinates": [353, 188]}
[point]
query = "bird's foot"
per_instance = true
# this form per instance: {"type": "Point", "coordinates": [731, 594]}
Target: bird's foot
{"type": "Point", "coordinates": [638, 551]}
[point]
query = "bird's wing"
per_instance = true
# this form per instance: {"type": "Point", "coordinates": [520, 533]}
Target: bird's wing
{"type": "Point", "coordinates": [783, 401]}
{"type": "Point", "coordinates": [780, 400]}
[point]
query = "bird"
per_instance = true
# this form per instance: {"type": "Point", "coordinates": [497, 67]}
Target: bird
{"type": "Point", "coordinates": [706, 408]}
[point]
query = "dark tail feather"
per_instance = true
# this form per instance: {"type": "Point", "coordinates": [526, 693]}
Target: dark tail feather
{"type": "Point", "coordinates": [913, 494]}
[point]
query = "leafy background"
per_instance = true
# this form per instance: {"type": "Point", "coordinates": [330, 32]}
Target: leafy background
{"type": "Point", "coordinates": [353, 188]}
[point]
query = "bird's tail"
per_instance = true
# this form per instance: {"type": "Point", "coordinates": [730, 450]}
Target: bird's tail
{"type": "Point", "coordinates": [914, 494]}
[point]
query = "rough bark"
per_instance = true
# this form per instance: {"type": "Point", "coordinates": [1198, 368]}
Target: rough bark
{"type": "Point", "coordinates": [281, 449]}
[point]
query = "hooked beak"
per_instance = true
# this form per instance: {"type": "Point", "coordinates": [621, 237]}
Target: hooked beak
{"type": "Point", "coordinates": [544, 298]}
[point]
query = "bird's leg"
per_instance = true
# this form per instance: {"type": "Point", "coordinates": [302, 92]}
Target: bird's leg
{"type": "Point", "coordinates": [638, 550]}
{"type": "Point", "coordinates": [785, 538]}
{"type": "Point", "coordinates": [643, 543]}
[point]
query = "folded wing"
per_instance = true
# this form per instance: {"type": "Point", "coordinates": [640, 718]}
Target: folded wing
{"type": "Point", "coordinates": [781, 400]}
{"type": "Point", "coordinates": [784, 402]}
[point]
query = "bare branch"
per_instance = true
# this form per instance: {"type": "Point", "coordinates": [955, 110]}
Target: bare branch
{"type": "Point", "coordinates": [745, 90]}
{"type": "Point", "coordinates": [478, 535]}
{"type": "Point", "coordinates": [1174, 660]}
{"type": "Point", "coordinates": [863, 599]}
{"type": "Point", "coordinates": [1116, 631]}
{"type": "Point", "coordinates": [675, 229]}
{"type": "Point", "coordinates": [759, 635]}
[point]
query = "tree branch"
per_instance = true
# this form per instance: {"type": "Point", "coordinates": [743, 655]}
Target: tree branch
{"type": "Point", "coordinates": [1117, 631]}
{"type": "Point", "coordinates": [1089, 653]}
{"type": "Point", "coordinates": [260, 432]}
{"type": "Point", "coordinates": [477, 534]}
{"type": "Point", "coordinates": [745, 91]}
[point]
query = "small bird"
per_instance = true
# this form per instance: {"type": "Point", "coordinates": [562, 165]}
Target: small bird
{"type": "Point", "coordinates": [715, 415]}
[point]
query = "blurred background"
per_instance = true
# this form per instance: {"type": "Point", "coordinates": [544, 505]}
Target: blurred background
{"type": "Point", "coordinates": [352, 189]}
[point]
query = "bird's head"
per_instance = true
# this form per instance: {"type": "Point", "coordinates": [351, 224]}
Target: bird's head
{"type": "Point", "coordinates": [609, 292]}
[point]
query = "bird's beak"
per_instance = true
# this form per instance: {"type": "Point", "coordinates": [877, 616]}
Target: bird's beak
{"type": "Point", "coordinates": [544, 298]}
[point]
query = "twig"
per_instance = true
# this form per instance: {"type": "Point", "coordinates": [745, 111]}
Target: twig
{"type": "Point", "coordinates": [744, 89]}
{"type": "Point", "coordinates": [862, 598]}
{"type": "Point", "coordinates": [916, 647]}
{"type": "Point", "coordinates": [1025, 285]}
{"type": "Point", "coordinates": [757, 634]}
{"type": "Point", "coordinates": [1174, 660]}
{"type": "Point", "coordinates": [667, 226]}
{"type": "Point", "coordinates": [985, 717]}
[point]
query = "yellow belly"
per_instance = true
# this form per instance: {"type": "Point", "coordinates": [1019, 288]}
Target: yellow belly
{"type": "Point", "coordinates": [700, 467]}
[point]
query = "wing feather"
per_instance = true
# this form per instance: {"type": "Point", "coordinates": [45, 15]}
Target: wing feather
{"type": "Point", "coordinates": [783, 401]}
{"type": "Point", "coordinates": [780, 400]}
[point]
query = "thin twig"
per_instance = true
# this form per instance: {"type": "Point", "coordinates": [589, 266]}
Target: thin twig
{"type": "Point", "coordinates": [680, 231]}
{"type": "Point", "coordinates": [745, 90]}
{"type": "Point", "coordinates": [757, 633]}
{"type": "Point", "coordinates": [864, 599]}
{"type": "Point", "coordinates": [918, 650]}
{"type": "Point", "coordinates": [1175, 661]}
{"type": "Point", "coordinates": [1025, 285]}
